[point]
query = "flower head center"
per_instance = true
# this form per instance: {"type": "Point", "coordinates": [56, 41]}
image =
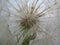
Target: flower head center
{"type": "Point", "coordinates": [28, 22]}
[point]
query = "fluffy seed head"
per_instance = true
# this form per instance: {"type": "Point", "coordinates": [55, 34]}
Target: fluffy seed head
{"type": "Point", "coordinates": [30, 16]}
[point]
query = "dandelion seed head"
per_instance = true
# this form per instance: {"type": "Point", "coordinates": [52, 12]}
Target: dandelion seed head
{"type": "Point", "coordinates": [26, 18]}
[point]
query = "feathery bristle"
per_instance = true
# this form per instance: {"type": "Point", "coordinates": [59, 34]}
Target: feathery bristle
{"type": "Point", "coordinates": [28, 17]}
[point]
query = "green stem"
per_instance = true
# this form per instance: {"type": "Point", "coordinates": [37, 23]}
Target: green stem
{"type": "Point", "coordinates": [28, 38]}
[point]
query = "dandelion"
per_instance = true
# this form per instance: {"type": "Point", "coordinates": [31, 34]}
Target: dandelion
{"type": "Point", "coordinates": [25, 18]}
